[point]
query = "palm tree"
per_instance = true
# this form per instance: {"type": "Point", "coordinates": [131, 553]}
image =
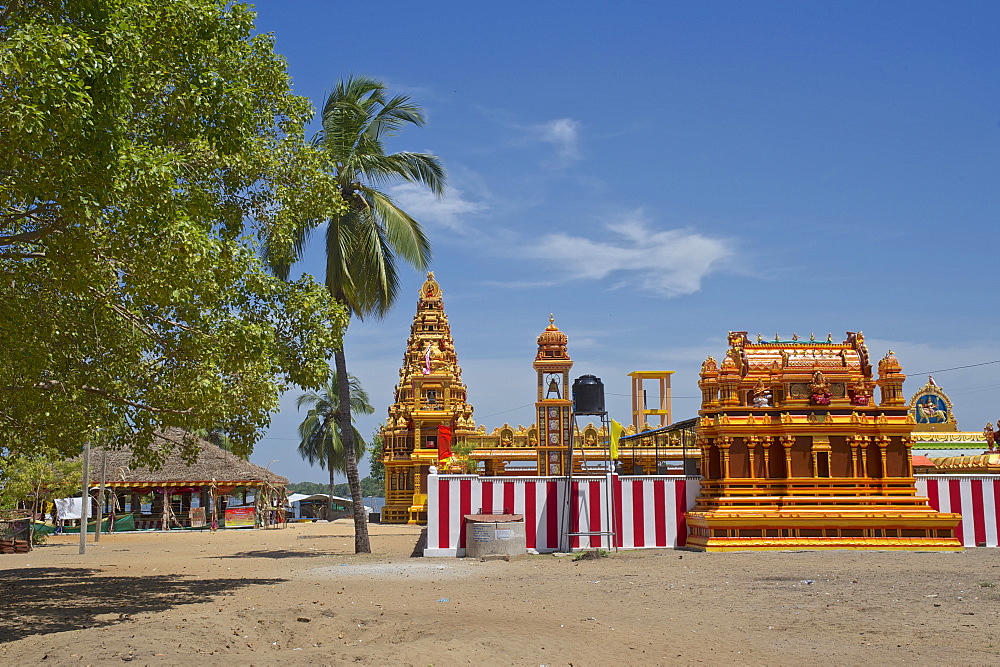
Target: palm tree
{"type": "Point", "coordinates": [321, 442]}
{"type": "Point", "coordinates": [363, 242]}
{"type": "Point", "coordinates": [217, 436]}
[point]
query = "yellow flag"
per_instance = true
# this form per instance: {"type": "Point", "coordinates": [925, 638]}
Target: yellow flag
{"type": "Point", "coordinates": [616, 434]}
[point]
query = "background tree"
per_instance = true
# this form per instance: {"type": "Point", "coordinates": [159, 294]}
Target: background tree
{"type": "Point", "coordinates": [364, 240]}
{"type": "Point", "coordinates": [375, 464]}
{"type": "Point", "coordinates": [148, 146]}
{"type": "Point", "coordinates": [308, 488]}
{"type": "Point", "coordinates": [35, 479]}
{"type": "Point", "coordinates": [322, 442]}
{"type": "Point", "coordinates": [218, 437]}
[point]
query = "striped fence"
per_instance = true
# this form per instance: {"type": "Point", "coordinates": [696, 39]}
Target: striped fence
{"type": "Point", "coordinates": [654, 506]}
{"type": "Point", "coordinates": [648, 511]}
{"type": "Point", "coordinates": [975, 497]}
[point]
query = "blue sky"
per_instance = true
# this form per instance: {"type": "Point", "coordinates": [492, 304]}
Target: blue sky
{"type": "Point", "coordinates": [657, 174]}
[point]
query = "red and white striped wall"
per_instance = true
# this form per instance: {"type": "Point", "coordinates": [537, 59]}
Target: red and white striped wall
{"type": "Point", "coordinates": [975, 497]}
{"type": "Point", "coordinates": [653, 517]}
{"type": "Point", "coordinates": [648, 511]}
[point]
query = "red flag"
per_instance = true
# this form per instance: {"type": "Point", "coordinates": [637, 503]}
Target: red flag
{"type": "Point", "coordinates": [444, 442]}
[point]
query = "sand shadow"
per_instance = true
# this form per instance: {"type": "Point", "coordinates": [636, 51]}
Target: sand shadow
{"type": "Point", "coordinates": [418, 548]}
{"type": "Point", "coordinates": [37, 601]}
{"type": "Point", "coordinates": [279, 553]}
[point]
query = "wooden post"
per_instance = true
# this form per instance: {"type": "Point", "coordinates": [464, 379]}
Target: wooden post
{"type": "Point", "coordinates": [100, 500]}
{"type": "Point", "coordinates": [215, 508]}
{"type": "Point", "coordinates": [85, 504]}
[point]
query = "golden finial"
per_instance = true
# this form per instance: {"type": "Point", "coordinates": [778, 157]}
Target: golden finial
{"type": "Point", "coordinates": [552, 319]}
{"type": "Point", "coordinates": [760, 338]}
{"type": "Point", "coordinates": [812, 337]}
{"type": "Point", "coordinates": [776, 337]}
{"type": "Point", "coordinates": [829, 337]}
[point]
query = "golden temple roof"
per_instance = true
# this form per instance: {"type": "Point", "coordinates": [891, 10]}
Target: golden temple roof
{"type": "Point", "coordinates": [552, 343]}
{"type": "Point", "coordinates": [980, 462]}
{"type": "Point", "coordinates": [889, 364]}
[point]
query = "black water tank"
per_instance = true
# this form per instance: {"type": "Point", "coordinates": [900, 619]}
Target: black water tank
{"type": "Point", "coordinates": [588, 395]}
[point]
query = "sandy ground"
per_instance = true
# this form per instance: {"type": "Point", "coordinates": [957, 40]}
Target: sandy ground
{"type": "Point", "coordinates": [298, 595]}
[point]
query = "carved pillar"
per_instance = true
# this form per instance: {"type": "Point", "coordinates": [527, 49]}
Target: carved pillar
{"type": "Point", "coordinates": [883, 443]}
{"type": "Point", "coordinates": [863, 442]}
{"type": "Point", "coordinates": [751, 443]}
{"type": "Point", "coordinates": [852, 442]}
{"type": "Point", "coordinates": [706, 463]}
{"type": "Point", "coordinates": [908, 443]}
{"type": "Point", "coordinates": [787, 441]}
{"type": "Point", "coordinates": [724, 444]}
{"type": "Point", "coordinates": [766, 442]}
{"type": "Point", "coordinates": [821, 453]}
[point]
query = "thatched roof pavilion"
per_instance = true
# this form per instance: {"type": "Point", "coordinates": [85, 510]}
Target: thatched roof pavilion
{"type": "Point", "coordinates": [214, 466]}
{"type": "Point", "coordinates": [174, 487]}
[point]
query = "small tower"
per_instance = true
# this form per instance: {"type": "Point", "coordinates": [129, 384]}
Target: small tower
{"type": "Point", "coordinates": [429, 413]}
{"type": "Point", "coordinates": [553, 407]}
{"type": "Point", "coordinates": [641, 414]}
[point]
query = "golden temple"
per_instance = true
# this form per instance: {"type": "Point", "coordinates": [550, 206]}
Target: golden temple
{"type": "Point", "coordinates": [793, 450]}
{"type": "Point", "coordinates": [796, 453]}
{"type": "Point", "coordinates": [430, 422]}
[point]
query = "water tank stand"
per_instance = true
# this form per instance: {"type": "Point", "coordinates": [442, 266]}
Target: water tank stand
{"type": "Point", "coordinates": [565, 542]}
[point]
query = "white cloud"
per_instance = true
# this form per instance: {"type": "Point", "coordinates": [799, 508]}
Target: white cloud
{"type": "Point", "coordinates": [429, 209]}
{"type": "Point", "coordinates": [671, 262]}
{"type": "Point", "coordinates": [564, 134]}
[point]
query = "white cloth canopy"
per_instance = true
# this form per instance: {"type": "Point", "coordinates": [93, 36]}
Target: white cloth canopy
{"type": "Point", "coordinates": [69, 508]}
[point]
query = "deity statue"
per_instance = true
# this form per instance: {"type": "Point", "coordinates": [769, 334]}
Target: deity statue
{"type": "Point", "coordinates": [434, 358]}
{"type": "Point", "coordinates": [929, 411]}
{"type": "Point", "coordinates": [990, 435]}
{"type": "Point", "coordinates": [819, 390]}
{"type": "Point", "coordinates": [761, 395]}
{"type": "Point", "coordinates": [862, 393]}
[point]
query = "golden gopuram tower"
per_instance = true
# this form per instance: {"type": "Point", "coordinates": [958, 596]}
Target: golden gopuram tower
{"type": "Point", "coordinates": [429, 413]}
{"type": "Point", "coordinates": [797, 455]}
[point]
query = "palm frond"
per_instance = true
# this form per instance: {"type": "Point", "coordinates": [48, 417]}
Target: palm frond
{"type": "Point", "coordinates": [320, 442]}
{"type": "Point", "coordinates": [394, 115]}
{"type": "Point", "coordinates": [378, 284]}
{"type": "Point", "coordinates": [420, 168]}
{"type": "Point", "coordinates": [404, 234]}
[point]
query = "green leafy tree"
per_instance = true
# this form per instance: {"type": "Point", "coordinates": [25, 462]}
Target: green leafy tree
{"type": "Point", "coordinates": [148, 149]}
{"type": "Point", "coordinates": [372, 487]}
{"type": "Point", "coordinates": [364, 240]}
{"type": "Point", "coordinates": [35, 479]}
{"type": "Point", "coordinates": [322, 442]}
{"type": "Point", "coordinates": [308, 488]}
{"type": "Point", "coordinates": [375, 464]}
{"type": "Point", "coordinates": [369, 487]}
{"type": "Point", "coordinates": [218, 437]}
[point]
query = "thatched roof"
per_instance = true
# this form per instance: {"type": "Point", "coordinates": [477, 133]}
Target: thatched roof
{"type": "Point", "coordinates": [213, 464]}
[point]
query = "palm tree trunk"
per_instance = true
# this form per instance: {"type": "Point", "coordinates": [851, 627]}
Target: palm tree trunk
{"type": "Point", "coordinates": [333, 483]}
{"type": "Point", "coordinates": [361, 542]}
